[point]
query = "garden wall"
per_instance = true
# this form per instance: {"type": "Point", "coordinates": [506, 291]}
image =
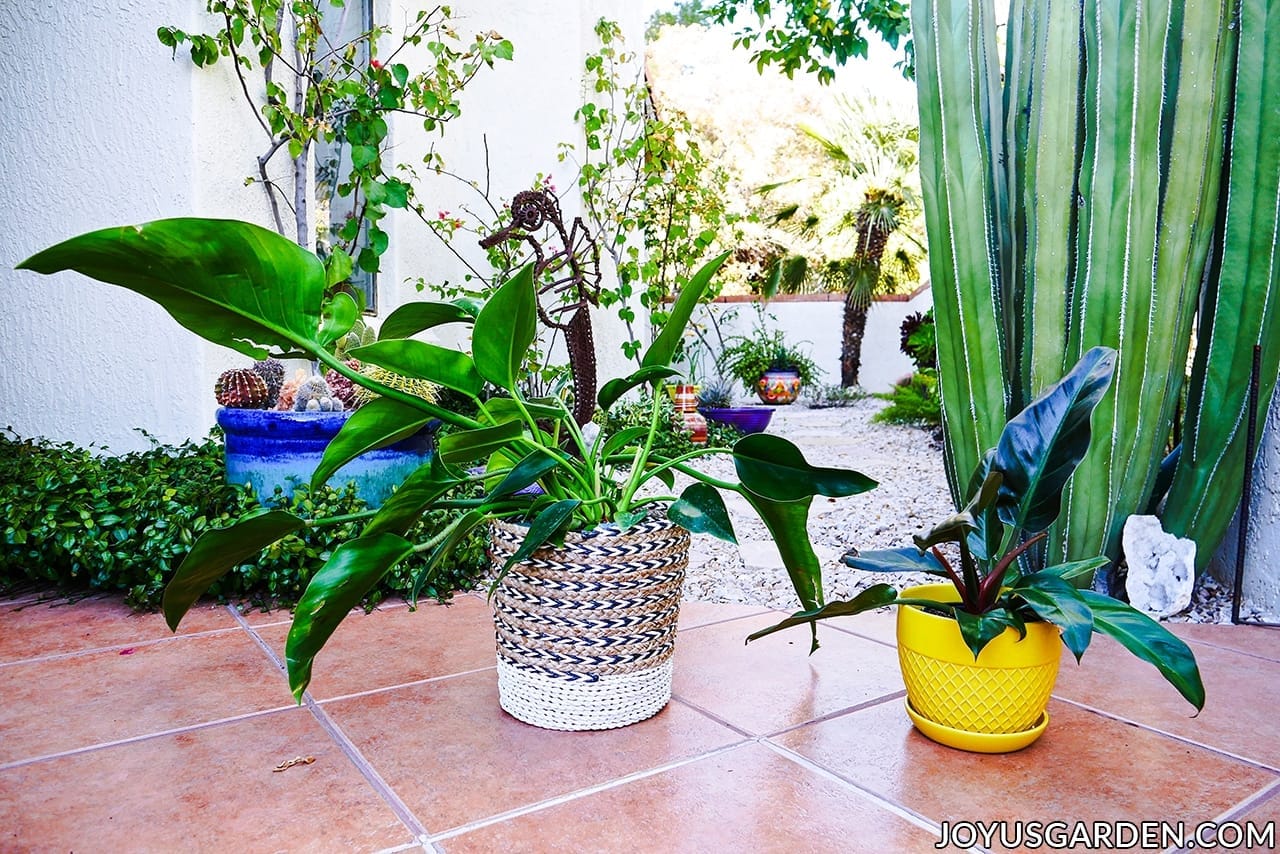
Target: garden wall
{"type": "Point", "coordinates": [818, 320]}
{"type": "Point", "coordinates": [103, 128]}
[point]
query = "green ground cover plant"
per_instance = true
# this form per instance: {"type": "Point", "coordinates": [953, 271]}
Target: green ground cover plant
{"type": "Point", "coordinates": [78, 520]}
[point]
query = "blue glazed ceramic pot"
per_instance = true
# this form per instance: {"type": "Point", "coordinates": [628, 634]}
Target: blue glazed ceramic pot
{"type": "Point", "coordinates": [267, 448]}
{"type": "Point", "coordinates": [748, 419]}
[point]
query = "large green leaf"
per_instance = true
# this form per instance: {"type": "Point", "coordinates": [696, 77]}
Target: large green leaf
{"type": "Point", "coordinates": [337, 316]}
{"type": "Point", "coordinates": [700, 509]}
{"type": "Point", "coordinates": [1150, 641]}
{"type": "Point", "coordinates": [501, 409]}
{"type": "Point", "coordinates": [379, 423]}
{"type": "Point", "coordinates": [621, 439]}
{"type": "Point", "coordinates": [875, 596]}
{"type": "Point", "coordinates": [440, 365]}
{"type": "Point", "coordinates": [504, 329]}
{"type": "Point", "coordinates": [427, 484]}
{"type": "Point", "coordinates": [545, 525]}
{"type": "Point", "coordinates": [414, 317]}
{"type": "Point", "coordinates": [457, 531]}
{"type": "Point", "coordinates": [1056, 601]}
{"type": "Point", "coordinates": [616, 388]}
{"type": "Point", "coordinates": [230, 282]}
{"type": "Point", "coordinates": [773, 467]}
{"type": "Point", "coordinates": [351, 572]}
{"type": "Point", "coordinates": [978, 630]}
{"type": "Point", "coordinates": [905, 559]}
{"type": "Point", "coordinates": [1042, 445]}
{"type": "Point", "coordinates": [524, 473]}
{"type": "Point", "coordinates": [217, 551]}
{"type": "Point", "coordinates": [470, 445]}
{"type": "Point", "coordinates": [663, 348]}
{"type": "Point", "coordinates": [788, 524]}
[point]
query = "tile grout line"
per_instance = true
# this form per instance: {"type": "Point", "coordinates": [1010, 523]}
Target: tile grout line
{"type": "Point", "coordinates": [857, 707]}
{"type": "Point", "coordinates": [586, 791]}
{"type": "Point", "coordinates": [93, 748]}
{"type": "Point", "coordinates": [1180, 738]}
{"type": "Point", "coordinates": [721, 622]}
{"type": "Point", "coordinates": [1258, 798]}
{"type": "Point", "coordinates": [856, 634]}
{"type": "Point", "coordinates": [415, 683]}
{"type": "Point", "coordinates": [713, 716]}
{"type": "Point", "coordinates": [349, 749]}
{"type": "Point", "coordinates": [61, 656]}
{"type": "Point", "coordinates": [1221, 648]}
{"type": "Point", "coordinates": [918, 819]}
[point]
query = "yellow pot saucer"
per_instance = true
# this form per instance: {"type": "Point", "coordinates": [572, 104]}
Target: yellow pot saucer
{"type": "Point", "coordinates": [977, 742]}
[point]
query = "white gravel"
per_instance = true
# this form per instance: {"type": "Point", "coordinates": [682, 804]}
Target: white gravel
{"type": "Point", "coordinates": [911, 497]}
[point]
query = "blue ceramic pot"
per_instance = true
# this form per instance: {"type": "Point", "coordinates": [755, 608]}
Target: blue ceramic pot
{"type": "Point", "coordinates": [748, 419]}
{"type": "Point", "coordinates": [267, 448]}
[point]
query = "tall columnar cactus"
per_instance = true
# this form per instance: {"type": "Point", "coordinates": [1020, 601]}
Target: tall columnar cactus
{"type": "Point", "coordinates": [1119, 185]}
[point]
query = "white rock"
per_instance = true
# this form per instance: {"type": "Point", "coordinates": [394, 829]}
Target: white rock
{"type": "Point", "coordinates": [1162, 567]}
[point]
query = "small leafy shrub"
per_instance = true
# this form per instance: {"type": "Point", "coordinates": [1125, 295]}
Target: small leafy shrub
{"type": "Point", "coordinates": [919, 339]}
{"type": "Point", "coordinates": [747, 357]}
{"type": "Point", "coordinates": [668, 443]}
{"type": "Point", "coordinates": [914, 402]}
{"type": "Point", "coordinates": [78, 520]}
{"type": "Point", "coordinates": [829, 396]}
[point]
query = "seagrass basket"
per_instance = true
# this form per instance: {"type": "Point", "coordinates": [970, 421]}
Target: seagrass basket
{"type": "Point", "coordinates": [586, 633]}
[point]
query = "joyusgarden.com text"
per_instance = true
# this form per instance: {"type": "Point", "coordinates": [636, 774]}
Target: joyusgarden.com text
{"type": "Point", "coordinates": [1109, 835]}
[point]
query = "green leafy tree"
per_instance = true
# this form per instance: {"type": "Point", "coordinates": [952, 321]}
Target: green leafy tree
{"type": "Point", "coordinates": [308, 82]}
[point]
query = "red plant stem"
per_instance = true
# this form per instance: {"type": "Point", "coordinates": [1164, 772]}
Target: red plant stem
{"type": "Point", "coordinates": [950, 570]}
{"type": "Point", "coordinates": [990, 588]}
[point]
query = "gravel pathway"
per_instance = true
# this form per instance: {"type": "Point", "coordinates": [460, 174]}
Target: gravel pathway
{"type": "Point", "coordinates": [912, 495]}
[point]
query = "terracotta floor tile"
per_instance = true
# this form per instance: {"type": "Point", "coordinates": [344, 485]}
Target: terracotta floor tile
{"type": "Point", "coordinates": [1266, 812]}
{"type": "Point", "coordinates": [257, 617]}
{"type": "Point", "coordinates": [748, 799]}
{"type": "Point", "coordinates": [774, 683]}
{"type": "Point", "coordinates": [205, 790]}
{"type": "Point", "coordinates": [694, 614]}
{"type": "Point", "coordinates": [1085, 768]}
{"type": "Point", "coordinates": [1242, 694]}
{"type": "Point", "coordinates": [455, 757]}
{"type": "Point", "coordinates": [51, 628]}
{"type": "Point", "coordinates": [395, 646]}
{"type": "Point", "coordinates": [1255, 640]}
{"type": "Point", "coordinates": [67, 703]}
{"type": "Point", "coordinates": [879, 625]}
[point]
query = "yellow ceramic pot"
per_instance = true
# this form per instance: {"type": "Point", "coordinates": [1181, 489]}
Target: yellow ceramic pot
{"type": "Point", "coordinates": [993, 705]}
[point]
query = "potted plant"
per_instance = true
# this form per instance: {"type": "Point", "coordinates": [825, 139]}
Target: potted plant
{"type": "Point", "coordinates": [588, 565]}
{"type": "Point", "coordinates": [765, 362]}
{"type": "Point", "coordinates": [979, 652]}
{"type": "Point", "coordinates": [715, 401]}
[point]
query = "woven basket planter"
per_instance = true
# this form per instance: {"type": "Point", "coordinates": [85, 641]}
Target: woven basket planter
{"type": "Point", "coordinates": [586, 633]}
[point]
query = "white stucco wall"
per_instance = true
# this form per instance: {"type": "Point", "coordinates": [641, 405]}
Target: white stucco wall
{"type": "Point", "coordinates": [1261, 586]}
{"type": "Point", "coordinates": [102, 127]}
{"type": "Point", "coordinates": [97, 132]}
{"type": "Point", "coordinates": [819, 326]}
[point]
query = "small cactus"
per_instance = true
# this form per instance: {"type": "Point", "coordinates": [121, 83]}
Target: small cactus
{"type": "Point", "coordinates": [240, 388]}
{"type": "Point", "coordinates": [289, 391]}
{"type": "Point", "coordinates": [424, 389]}
{"type": "Point", "coordinates": [272, 373]}
{"type": "Point", "coordinates": [343, 389]}
{"type": "Point", "coordinates": [314, 395]}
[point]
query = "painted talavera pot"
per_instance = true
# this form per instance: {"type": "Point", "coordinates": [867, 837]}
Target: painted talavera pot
{"type": "Point", "coordinates": [586, 632]}
{"type": "Point", "coordinates": [778, 387]}
{"type": "Point", "coordinates": [267, 448]}
{"type": "Point", "coordinates": [995, 704]}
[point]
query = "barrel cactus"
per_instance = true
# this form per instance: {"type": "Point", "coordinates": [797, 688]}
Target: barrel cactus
{"type": "Point", "coordinates": [272, 373]}
{"type": "Point", "coordinates": [314, 395]}
{"type": "Point", "coordinates": [241, 388]}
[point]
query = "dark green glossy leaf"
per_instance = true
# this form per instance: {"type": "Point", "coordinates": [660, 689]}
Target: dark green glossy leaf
{"type": "Point", "coordinates": [616, 388]}
{"type": "Point", "coordinates": [875, 596]}
{"type": "Point", "coordinates": [1164, 479]}
{"type": "Point", "coordinates": [470, 445]}
{"type": "Point", "coordinates": [449, 368]}
{"type": "Point", "coordinates": [978, 630]}
{"type": "Point", "coordinates": [221, 279]}
{"type": "Point", "coordinates": [379, 423]}
{"type": "Point", "coordinates": [457, 531]}
{"type": "Point", "coordinates": [950, 530]}
{"type": "Point", "coordinates": [1057, 602]}
{"type": "Point", "coordinates": [217, 551]}
{"type": "Point", "coordinates": [414, 317]}
{"type": "Point", "coordinates": [621, 439]}
{"type": "Point", "coordinates": [773, 467]}
{"type": "Point", "coordinates": [337, 316]}
{"type": "Point", "coordinates": [351, 572]}
{"type": "Point", "coordinates": [630, 519]}
{"type": "Point", "coordinates": [504, 329]}
{"type": "Point", "coordinates": [1150, 641]}
{"type": "Point", "coordinates": [788, 524]}
{"type": "Point", "coordinates": [904, 559]}
{"type": "Point", "coordinates": [524, 473]}
{"type": "Point", "coordinates": [545, 525]}
{"type": "Point", "coordinates": [663, 348]}
{"type": "Point", "coordinates": [1042, 445]}
{"type": "Point", "coordinates": [700, 509]}
{"type": "Point", "coordinates": [427, 484]}
{"type": "Point", "coordinates": [502, 409]}
{"type": "Point", "coordinates": [1078, 572]}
